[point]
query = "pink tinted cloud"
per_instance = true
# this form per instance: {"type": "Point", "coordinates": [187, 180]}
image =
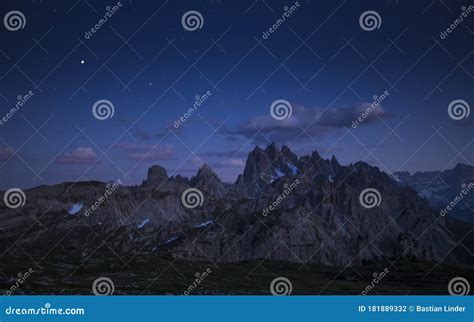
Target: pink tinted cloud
{"type": "Point", "coordinates": [80, 155]}
{"type": "Point", "coordinates": [5, 153]}
{"type": "Point", "coordinates": [146, 152]}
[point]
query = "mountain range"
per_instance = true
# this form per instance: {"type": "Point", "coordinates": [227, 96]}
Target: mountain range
{"type": "Point", "coordinates": [282, 207]}
{"type": "Point", "coordinates": [441, 188]}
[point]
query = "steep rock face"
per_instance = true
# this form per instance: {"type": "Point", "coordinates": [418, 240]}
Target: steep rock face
{"type": "Point", "coordinates": [207, 181]}
{"type": "Point", "coordinates": [157, 176]}
{"type": "Point", "coordinates": [265, 166]}
{"type": "Point", "coordinates": [282, 207]}
{"type": "Point", "coordinates": [442, 188]}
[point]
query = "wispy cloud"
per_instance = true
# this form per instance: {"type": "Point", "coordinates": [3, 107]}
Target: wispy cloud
{"type": "Point", "coordinates": [314, 121]}
{"type": "Point", "coordinates": [5, 153]}
{"type": "Point", "coordinates": [80, 155]}
{"type": "Point", "coordinates": [146, 152]}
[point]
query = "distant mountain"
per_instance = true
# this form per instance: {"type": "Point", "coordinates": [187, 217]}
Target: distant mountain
{"type": "Point", "coordinates": [445, 188]}
{"type": "Point", "coordinates": [283, 207]}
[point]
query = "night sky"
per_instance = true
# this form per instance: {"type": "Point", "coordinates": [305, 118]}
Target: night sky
{"type": "Point", "coordinates": [151, 68]}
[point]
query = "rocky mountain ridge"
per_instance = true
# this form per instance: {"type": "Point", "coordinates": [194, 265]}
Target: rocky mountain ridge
{"type": "Point", "coordinates": [442, 188]}
{"type": "Point", "coordinates": [321, 220]}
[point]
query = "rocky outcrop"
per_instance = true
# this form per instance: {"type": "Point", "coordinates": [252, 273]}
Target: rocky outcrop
{"type": "Point", "coordinates": [207, 181]}
{"type": "Point", "coordinates": [157, 176]}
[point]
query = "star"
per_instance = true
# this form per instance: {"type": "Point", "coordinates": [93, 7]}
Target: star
{"type": "Point", "coordinates": [82, 62]}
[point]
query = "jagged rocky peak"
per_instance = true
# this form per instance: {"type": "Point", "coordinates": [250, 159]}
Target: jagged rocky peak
{"type": "Point", "coordinates": [265, 166]}
{"type": "Point", "coordinates": [157, 175]}
{"type": "Point", "coordinates": [207, 180]}
{"type": "Point", "coordinates": [205, 173]}
{"type": "Point", "coordinates": [289, 154]}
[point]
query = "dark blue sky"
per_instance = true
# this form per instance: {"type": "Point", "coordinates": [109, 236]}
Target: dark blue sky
{"type": "Point", "coordinates": [151, 68]}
